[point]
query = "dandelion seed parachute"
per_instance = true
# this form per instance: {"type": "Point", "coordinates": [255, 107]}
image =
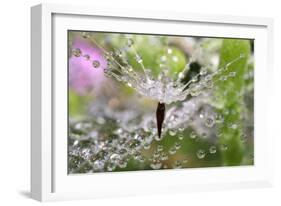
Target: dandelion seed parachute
{"type": "Point", "coordinates": [159, 89]}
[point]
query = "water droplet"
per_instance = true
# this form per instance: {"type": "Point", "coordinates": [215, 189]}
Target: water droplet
{"type": "Point", "coordinates": [98, 165]}
{"type": "Point", "coordinates": [76, 52]}
{"type": "Point", "coordinates": [122, 164]}
{"type": "Point", "coordinates": [219, 118]}
{"type": "Point", "coordinates": [219, 134]}
{"type": "Point", "coordinates": [243, 138]}
{"type": "Point", "coordinates": [200, 153]}
{"type": "Point", "coordinates": [175, 58]}
{"type": "Point", "coordinates": [177, 145]}
{"type": "Point", "coordinates": [106, 72]}
{"type": "Point", "coordinates": [203, 71]}
{"type": "Point", "coordinates": [169, 51]}
{"type": "Point", "coordinates": [172, 150]}
{"type": "Point", "coordinates": [160, 148]}
{"type": "Point", "coordinates": [172, 132]}
{"type": "Point", "coordinates": [209, 122]}
{"type": "Point", "coordinates": [86, 35]}
{"type": "Point", "coordinates": [157, 138]}
{"type": "Point", "coordinates": [194, 92]}
{"type": "Point", "coordinates": [181, 75]}
{"type": "Point", "coordinates": [204, 135]}
{"type": "Point", "coordinates": [177, 165]}
{"type": "Point", "coordinates": [141, 158]}
{"type": "Point", "coordinates": [122, 152]}
{"type": "Point", "coordinates": [156, 154]}
{"type": "Point", "coordinates": [163, 58]}
{"type": "Point", "coordinates": [194, 79]}
{"type": "Point", "coordinates": [213, 149]}
{"type": "Point", "coordinates": [110, 166]}
{"type": "Point", "coordinates": [138, 59]}
{"type": "Point", "coordinates": [156, 165]}
{"type": "Point", "coordinates": [164, 156]}
{"type": "Point", "coordinates": [96, 64]}
{"type": "Point", "coordinates": [224, 147]}
{"type": "Point", "coordinates": [86, 56]}
{"type": "Point", "coordinates": [146, 145]}
{"type": "Point", "coordinates": [252, 157]}
{"type": "Point", "coordinates": [223, 78]}
{"type": "Point", "coordinates": [181, 129]}
{"type": "Point", "coordinates": [130, 42]}
{"type": "Point", "coordinates": [193, 135]}
{"type": "Point", "coordinates": [232, 74]}
{"type": "Point", "coordinates": [180, 136]}
{"type": "Point", "coordinates": [209, 84]}
{"type": "Point", "coordinates": [118, 53]}
{"type": "Point", "coordinates": [115, 158]}
{"type": "Point", "coordinates": [233, 126]}
{"type": "Point", "coordinates": [75, 142]}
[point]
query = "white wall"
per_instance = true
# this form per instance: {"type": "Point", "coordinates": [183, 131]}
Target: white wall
{"type": "Point", "coordinates": [15, 95]}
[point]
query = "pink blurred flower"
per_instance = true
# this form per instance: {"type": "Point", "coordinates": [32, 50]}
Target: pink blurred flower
{"type": "Point", "coordinates": [84, 78]}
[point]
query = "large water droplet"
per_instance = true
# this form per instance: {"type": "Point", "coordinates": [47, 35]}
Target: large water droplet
{"type": "Point", "coordinates": [110, 166]}
{"type": "Point", "coordinates": [157, 138]}
{"type": "Point", "coordinates": [209, 122]}
{"type": "Point", "coordinates": [177, 164]}
{"type": "Point", "coordinates": [177, 145]}
{"type": "Point", "coordinates": [156, 165]}
{"type": "Point", "coordinates": [172, 132]}
{"type": "Point", "coordinates": [86, 35]}
{"type": "Point", "coordinates": [200, 153]}
{"type": "Point", "coordinates": [130, 42]}
{"type": "Point", "coordinates": [180, 136]}
{"type": "Point", "coordinates": [212, 149]}
{"type": "Point", "coordinates": [193, 135]}
{"type": "Point", "coordinates": [172, 150]}
{"type": "Point", "coordinates": [76, 52]}
{"type": "Point", "coordinates": [160, 148]}
{"type": "Point", "coordinates": [96, 64]}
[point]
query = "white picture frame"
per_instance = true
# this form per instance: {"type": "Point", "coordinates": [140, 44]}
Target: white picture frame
{"type": "Point", "coordinates": [49, 178]}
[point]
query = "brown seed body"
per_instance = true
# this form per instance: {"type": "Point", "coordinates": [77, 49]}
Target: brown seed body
{"type": "Point", "coordinates": [160, 116]}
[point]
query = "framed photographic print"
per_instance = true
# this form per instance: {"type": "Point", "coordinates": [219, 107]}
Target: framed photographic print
{"type": "Point", "coordinates": [134, 102]}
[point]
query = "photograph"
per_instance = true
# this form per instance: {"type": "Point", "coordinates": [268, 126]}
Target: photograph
{"type": "Point", "coordinates": [139, 101]}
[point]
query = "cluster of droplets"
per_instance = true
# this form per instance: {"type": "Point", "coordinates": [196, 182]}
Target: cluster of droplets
{"type": "Point", "coordinates": [110, 143]}
{"type": "Point", "coordinates": [162, 88]}
{"type": "Point", "coordinates": [76, 52]}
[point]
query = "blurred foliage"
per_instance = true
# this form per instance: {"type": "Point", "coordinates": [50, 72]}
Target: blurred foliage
{"type": "Point", "coordinates": [232, 99]}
